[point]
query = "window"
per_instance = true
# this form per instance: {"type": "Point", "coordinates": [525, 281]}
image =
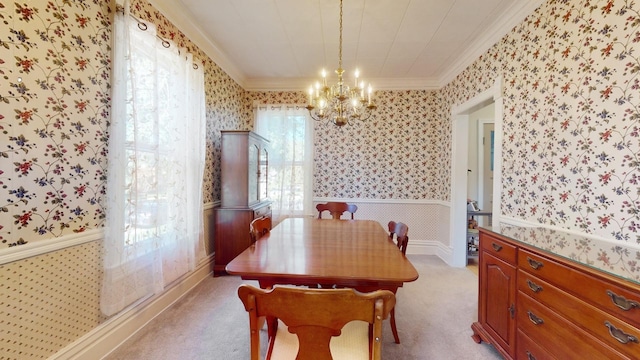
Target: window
{"type": "Point", "coordinates": [156, 163]}
{"type": "Point", "coordinates": [290, 132]}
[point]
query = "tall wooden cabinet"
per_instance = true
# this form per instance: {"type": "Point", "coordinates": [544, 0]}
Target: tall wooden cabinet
{"type": "Point", "coordinates": [244, 170]}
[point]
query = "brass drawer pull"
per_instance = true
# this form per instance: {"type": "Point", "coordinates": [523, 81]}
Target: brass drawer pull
{"type": "Point", "coordinates": [496, 247]}
{"type": "Point", "coordinates": [534, 319]}
{"type": "Point", "coordinates": [534, 264]}
{"type": "Point", "coordinates": [620, 335]}
{"type": "Point", "coordinates": [621, 302]}
{"type": "Point", "coordinates": [533, 286]}
{"type": "Point", "coordinates": [529, 356]}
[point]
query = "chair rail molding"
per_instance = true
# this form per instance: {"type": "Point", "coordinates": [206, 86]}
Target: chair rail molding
{"type": "Point", "coordinates": [382, 201]}
{"type": "Point", "coordinates": [40, 247]}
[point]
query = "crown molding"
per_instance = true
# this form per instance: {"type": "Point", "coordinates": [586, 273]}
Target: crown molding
{"type": "Point", "coordinates": [179, 16]}
{"type": "Point", "coordinates": [175, 12]}
{"type": "Point", "coordinates": [516, 13]}
{"type": "Point", "coordinates": [278, 84]}
{"type": "Point", "coordinates": [405, 84]}
{"type": "Point", "coordinates": [301, 84]}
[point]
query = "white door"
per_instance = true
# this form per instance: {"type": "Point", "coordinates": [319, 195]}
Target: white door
{"type": "Point", "coordinates": [487, 150]}
{"type": "Point", "coordinates": [485, 181]}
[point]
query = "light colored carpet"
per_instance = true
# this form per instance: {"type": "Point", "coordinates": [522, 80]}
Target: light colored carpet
{"type": "Point", "coordinates": [433, 315]}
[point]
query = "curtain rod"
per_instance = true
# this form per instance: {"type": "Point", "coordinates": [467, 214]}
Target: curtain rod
{"type": "Point", "coordinates": [143, 26]}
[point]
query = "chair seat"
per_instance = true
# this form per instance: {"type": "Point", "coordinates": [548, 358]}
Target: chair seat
{"type": "Point", "coordinates": [352, 344]}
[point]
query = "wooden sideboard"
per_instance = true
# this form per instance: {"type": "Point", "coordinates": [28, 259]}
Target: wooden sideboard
{"type": "Point", "coordinates": [244, 169]}
{"type": "Point", "coordinates": [536, 304]}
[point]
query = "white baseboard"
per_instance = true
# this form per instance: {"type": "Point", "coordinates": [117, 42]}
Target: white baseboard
{"type": "Point", "coordinates": [430, 247]}
{"type": "Point", "coordinates": [106, 337]}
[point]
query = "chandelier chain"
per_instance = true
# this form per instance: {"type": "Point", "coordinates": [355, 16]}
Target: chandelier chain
{"type": "Point", "coordinates": [340, 49]}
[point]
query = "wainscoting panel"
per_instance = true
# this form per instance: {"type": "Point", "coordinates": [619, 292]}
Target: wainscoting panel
{"type": "Point", "coordinates": [50, 300]}
{"type": "Point", "coordinates": [428, 221]}
{"type": "Point", "coordinates": [50, 297]}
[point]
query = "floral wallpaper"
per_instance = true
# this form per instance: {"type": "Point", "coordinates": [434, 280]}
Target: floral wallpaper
{"type": "Point", "coordinates": [570, 124]}
{"type": "Point", "coordinates": [571, 141]}
{"type": "Point", "coordinates": [54, 115]}
{"type": "Point", "coordinates": [393, 155]}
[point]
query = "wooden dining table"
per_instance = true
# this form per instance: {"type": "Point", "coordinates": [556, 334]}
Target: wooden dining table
{"type": "Point", "coordinates": [325, 252]}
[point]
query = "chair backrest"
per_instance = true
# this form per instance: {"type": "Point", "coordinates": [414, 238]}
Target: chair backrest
{"type": "Point", "coordinates": [258, 227]}
{"type": "Point", "coordinates": [315, 315]}
{"type": "Point", "coordinates": [401, 231]}
{"type": "Point", "coordinates": [336, 209]}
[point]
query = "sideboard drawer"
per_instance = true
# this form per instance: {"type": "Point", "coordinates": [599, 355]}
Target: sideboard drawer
{"type": "Point", "coordinates": [527, 349]}
{"type": "Point", "coordinates": [558, 335]}
{"type": "Point", "coordinates": [610, 330]}
{"type": "Point", "coordinates": [498, 248]}
{"type": "Point", "coordinates": [617, 300]}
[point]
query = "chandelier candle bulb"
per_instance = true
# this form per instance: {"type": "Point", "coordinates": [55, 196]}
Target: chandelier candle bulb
{"type": "Point", "coordinates": [340, 103]}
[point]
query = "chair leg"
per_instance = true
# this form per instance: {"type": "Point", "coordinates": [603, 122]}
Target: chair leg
{"type": "Point", "coordinates": [393, 325]}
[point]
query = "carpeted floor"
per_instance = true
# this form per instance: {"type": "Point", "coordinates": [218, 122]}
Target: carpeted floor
{"type": "Point", "coordinates": [433, 315]}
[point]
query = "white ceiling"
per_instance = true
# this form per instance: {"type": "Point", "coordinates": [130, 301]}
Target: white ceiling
{"type": "Point", "coordinates": [396, 44]}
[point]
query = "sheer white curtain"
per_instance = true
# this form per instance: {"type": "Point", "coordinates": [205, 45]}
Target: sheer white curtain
{"type": "Point", "coordinates": [156, 162]}
{"type": "Point", "coordinates": [290, 184]}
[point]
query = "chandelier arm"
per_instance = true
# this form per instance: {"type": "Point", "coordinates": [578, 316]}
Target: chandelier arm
{"type": "Point", "coordinates": [369, 113]}
{"type": "Point", "coordinates": [340, 103]}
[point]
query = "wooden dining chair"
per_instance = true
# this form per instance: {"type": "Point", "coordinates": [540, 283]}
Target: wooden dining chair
{"type": "Point", "coordinates": [317, 324]}
{"type": "Point", "coordinates": [336, 209]}
{"type": "Point", "coordinates": [400, 230]}
{"type": "Point", "coordinates": [259, 227]}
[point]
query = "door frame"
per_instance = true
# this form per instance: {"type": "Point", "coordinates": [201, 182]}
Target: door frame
{"type": "Point", "coordinates": [459, 158]}
{"type": "Point", "coordinates": [480, 124]}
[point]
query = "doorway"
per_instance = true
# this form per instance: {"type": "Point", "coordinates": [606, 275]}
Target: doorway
{"type": "Point", "coordinates": [459, 167]}
{"type": "Point", "coordinates": [485, 150]}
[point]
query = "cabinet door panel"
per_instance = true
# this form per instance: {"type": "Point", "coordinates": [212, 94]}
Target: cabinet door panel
{"type": "Point", "coordinates": [499, 308]}
{"type": "Point", "coordinates": [253, 173]}
{"type": "Point", "coordinates": [263, 175]}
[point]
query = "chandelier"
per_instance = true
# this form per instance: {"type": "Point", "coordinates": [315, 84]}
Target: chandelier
{"type": "Point", "coordinates": [340, 103]}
